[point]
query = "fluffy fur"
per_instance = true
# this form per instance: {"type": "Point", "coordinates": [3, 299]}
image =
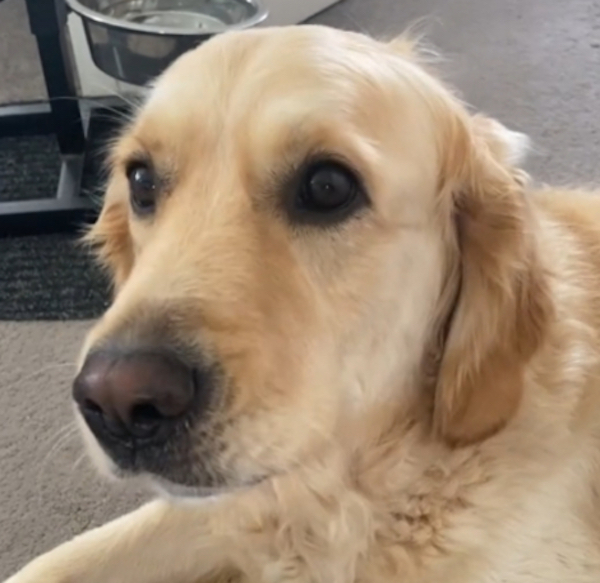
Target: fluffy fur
{"type": "Point", "coordinates": [417, 390]}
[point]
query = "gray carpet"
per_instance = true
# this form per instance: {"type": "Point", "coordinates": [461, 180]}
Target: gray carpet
{"type": "Point", "coordinates": [533, 63]}
{"type": "Point", "coordinates": [20, 71]}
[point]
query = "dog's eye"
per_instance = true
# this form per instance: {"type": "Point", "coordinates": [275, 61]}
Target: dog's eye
{"type": "Point", "coordinates": [327, 190]}
{"type": "Point", "coordinates": [142, 187]}
{"type": "Point", "coordinates": [327, 186]}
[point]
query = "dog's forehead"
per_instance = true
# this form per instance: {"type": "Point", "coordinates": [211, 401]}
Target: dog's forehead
{"type": "Point", "coordinates": [266, 51]}
{"type": "Point", "coordinates": [264, 97]}
{"type": "Point", "coordinates": [241, 71]}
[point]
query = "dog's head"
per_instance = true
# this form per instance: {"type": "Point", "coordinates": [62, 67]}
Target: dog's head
{"type": "Point", "coordinates": [302, 225]}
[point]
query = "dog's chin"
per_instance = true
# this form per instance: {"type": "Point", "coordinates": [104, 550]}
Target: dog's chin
{"type": "Point", "coordinates": [168, 489]}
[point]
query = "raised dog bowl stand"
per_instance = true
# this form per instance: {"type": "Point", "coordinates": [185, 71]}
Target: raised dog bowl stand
{"type": "Point", "coordinates": [70, 119]}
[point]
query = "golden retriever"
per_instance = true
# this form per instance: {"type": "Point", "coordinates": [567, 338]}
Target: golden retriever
{"type": "Point", "coordinates": [349, 341]}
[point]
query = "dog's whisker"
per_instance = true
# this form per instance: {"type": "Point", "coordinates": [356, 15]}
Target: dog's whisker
{"type": "Point", "coordinates": [62, 438]}
{"type": "Point", "coordinates": [78, 462]}
{"type": "Point", "coordinates": [120, 113]}
{"type": "Point", "coordinates": [128, 98]}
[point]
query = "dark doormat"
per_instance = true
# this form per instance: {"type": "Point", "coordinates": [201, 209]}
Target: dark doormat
{"type": "Point", "coordinates": [49, 277]}
{"type": "Point", "coordinates": [46, 277]}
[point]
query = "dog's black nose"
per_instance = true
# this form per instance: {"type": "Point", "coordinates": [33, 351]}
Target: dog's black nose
{"type": "Point", "coordinates": [133, 396]}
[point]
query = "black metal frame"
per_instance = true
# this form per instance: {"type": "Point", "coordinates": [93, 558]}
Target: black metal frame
{"type": "Point", "coordinates": [61, 116]}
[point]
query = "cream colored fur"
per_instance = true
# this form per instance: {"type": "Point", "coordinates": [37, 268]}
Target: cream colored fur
{"type": "Point", "coordinates": [419, 390]}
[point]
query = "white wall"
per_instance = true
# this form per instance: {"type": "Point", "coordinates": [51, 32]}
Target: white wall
{"type": "Point", "coordinates": [94, 83]}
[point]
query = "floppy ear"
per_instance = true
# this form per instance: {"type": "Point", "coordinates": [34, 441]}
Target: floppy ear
{"type": "Point", "coordinates": [111, 241]}
{"type": "Point", "coordinates": [503, 305]}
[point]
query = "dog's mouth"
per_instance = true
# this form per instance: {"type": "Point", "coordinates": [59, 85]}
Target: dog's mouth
{"type": "Point", "coordinates": [186, 482]}
{"type": "Point", "coordinates": [177, 468]}
{"type": "Point", "coordinates": [179, 462]}
{"type": "Point", "coordinates": [177, 465]}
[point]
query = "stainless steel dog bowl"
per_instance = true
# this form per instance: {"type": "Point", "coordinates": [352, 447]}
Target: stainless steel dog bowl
{"type": "Point", "coordinates": [135, 40]}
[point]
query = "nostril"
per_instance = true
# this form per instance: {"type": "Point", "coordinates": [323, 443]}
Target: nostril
{"type": "Point", "coordinates": [146, 413]}
{"type": "Point", "coordinates": [145, 419]}
{"type": "Point", "coordinates": [90, 407]}
{"type": "Point", "coordinates": [135, 395]}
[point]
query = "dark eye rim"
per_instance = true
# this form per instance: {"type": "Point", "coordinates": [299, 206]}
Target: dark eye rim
{"type": "Point", "coordinates": [302, 215]}
{"type": "Point", "coordinates": [142, 210]}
